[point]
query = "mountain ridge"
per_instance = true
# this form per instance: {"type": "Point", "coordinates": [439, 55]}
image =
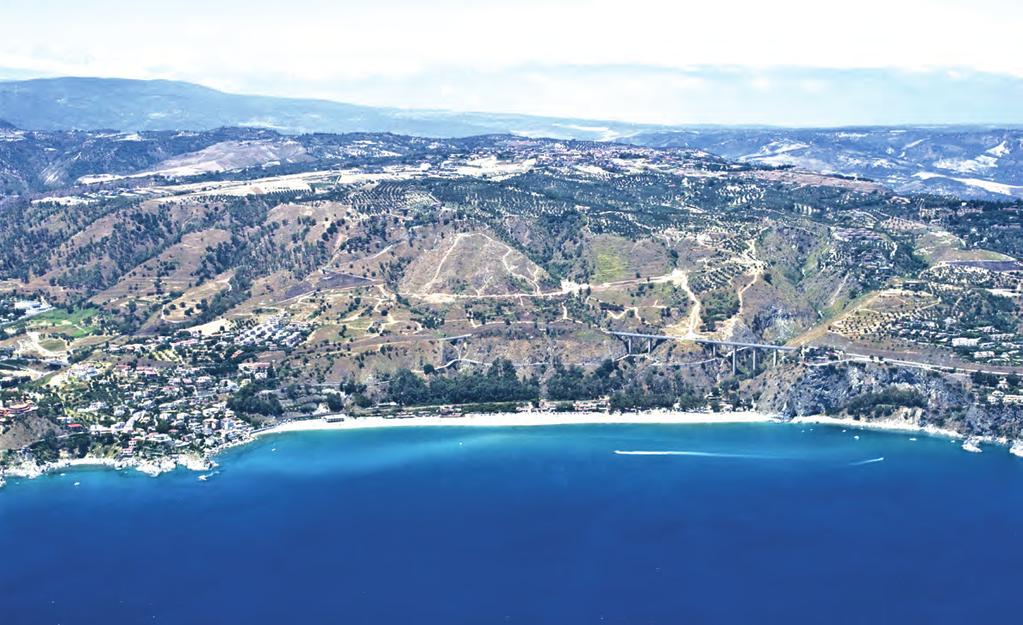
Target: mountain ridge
{"type": "Point", "coordinates": [949, 159]}
{"type": "Point", "coordinates": [971, 162]}
{"type": "Point", "coordinates": [87, 103]}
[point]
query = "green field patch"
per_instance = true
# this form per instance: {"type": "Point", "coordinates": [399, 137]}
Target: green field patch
{"type": "Point", "coordinates": [73, 324]}
{"type": "Point", "coordinates": [609, 266]}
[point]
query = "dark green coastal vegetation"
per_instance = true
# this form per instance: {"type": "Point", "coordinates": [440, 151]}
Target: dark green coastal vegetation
{"type": "Point", "coordinates": [624, 388]}
{"type": "Point", "coordinates": [497, 383]}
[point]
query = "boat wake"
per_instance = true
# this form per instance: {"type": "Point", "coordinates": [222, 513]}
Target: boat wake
{"type": "Point", "coordinates": [698, 454]}
{"type": "Point", "coordinates": [863, 462]}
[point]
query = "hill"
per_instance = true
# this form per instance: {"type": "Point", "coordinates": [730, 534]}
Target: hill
{"type": "Point", "coordinates": [248, 275]}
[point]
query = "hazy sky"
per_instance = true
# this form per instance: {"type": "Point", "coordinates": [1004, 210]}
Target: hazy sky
{"type": "Point", "coordinates": [640, 60]}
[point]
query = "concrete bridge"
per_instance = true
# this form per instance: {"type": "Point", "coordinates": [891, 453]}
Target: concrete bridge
{"type": "Point", "coordinates": [734, 346]}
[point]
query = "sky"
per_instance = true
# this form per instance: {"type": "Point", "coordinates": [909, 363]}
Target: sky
{"type": "Point", "coordinates": [792, 62]}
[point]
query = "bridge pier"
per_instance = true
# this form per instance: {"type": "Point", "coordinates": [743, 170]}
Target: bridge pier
{"type": "Point", "coordinates": [653, 340]}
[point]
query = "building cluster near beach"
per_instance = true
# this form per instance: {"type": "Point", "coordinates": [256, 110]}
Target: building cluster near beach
{"type": "Point", "coordinates": [152, 399]}
{"type": "Point", "coordinates": [131, 414]}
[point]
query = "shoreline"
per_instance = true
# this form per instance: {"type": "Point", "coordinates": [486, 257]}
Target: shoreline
{"type": "Point", "coordinates": [152, 468]}
{"type": "Point", "coordinates": [885, 425]}
{"type": "Point", "coordinates": [523, 419]}
{"type": "Point", "coordinates": [652, 417]}
{"type": "Point", "coordinates": [971, 443]}
{"type": "Point", "coordinates": [205, 462]}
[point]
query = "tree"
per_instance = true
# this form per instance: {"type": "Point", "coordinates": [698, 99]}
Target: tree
{"type": "Point", "coordinates": [334, 402]}
{"type": "Point", "coordinates": [406, 388]}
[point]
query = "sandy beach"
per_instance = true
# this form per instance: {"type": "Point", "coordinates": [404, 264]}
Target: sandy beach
{"type": "Point", "coordinates": [524, 419]}
{"type": "Point", "coordinates": [889, 425]}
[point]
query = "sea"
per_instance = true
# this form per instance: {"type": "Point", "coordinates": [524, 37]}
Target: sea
{"type": "Point", "coordinates": [623, 524]}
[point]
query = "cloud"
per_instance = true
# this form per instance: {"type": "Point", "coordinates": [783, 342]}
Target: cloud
{"type": "Point", "coordinates": [320, 40]}
{"type": "Point", "coordinates": [647, 60]}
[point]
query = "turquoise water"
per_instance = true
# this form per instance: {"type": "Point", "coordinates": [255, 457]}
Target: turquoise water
{"type": "Point", "coordinates": [762, 523]}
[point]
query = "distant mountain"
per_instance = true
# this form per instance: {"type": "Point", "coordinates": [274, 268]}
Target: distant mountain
{"type": "Point", "coordinates": [33, 161]}
{"type": "Point", "coordinates": [974, 162]}
{"type": "Point", "coordinates": [121, 104]}
{"type": "Point", "coordinates": [968, 162]}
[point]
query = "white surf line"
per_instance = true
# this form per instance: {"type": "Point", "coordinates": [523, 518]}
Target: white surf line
{"type": "Point", "coordinates": [698, 454]}
{"type": "Point", "coordinates": [863, 462]}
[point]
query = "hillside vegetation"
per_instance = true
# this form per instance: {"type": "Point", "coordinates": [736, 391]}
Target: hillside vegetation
{"type": "Point", "coordinates": [352, 261]}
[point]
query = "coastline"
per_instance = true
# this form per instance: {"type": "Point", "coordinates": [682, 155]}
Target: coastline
{"type": "Point", "coordinates": [970, 443]}
{"type": "Point", "coordinates": [653, 417]}
{"type": "Point", "coordinates": [152, 468]}
{"type": "Point", "coordinates": [887, 425]}
{"type": "Point", "coordinates": [205, 462]}
{"type": "Point", "coordinates": [523, 419]}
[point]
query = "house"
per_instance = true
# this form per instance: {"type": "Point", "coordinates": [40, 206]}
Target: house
{"type": "Point", "coordinates": [258, 370]}
{"type": "Point", "coordinates": [601, 404]}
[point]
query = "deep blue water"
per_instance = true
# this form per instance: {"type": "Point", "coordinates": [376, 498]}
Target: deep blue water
{"type": "Point", "coordinates": [531, 526]}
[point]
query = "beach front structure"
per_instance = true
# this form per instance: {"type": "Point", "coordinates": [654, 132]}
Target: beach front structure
{"type": "Point", "coordinates": [20, 409]}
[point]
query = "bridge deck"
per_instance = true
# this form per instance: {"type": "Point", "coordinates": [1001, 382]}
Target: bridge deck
{"type": "Point", "coordinates": [667, 337]}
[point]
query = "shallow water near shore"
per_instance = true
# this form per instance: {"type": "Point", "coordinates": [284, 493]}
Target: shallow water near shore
{"type": "Point", "coordinates": [734, 523]}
